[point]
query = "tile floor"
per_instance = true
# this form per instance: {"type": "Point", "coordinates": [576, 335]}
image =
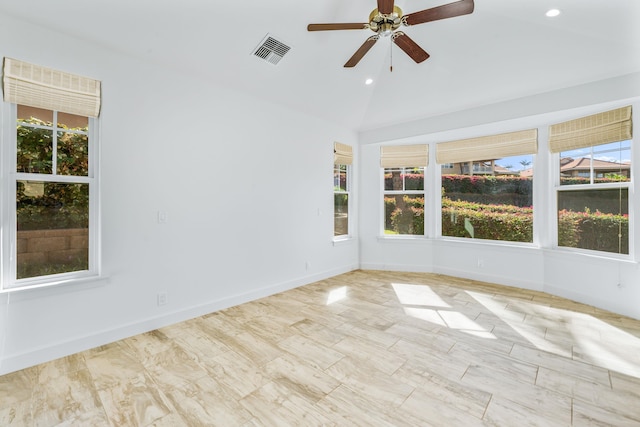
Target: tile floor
{"type": "Point", "coordinates": [362, 349]}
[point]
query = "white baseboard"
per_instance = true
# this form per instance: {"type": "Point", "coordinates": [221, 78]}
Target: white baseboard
{"type": "Point", "coordinates": [409, 268]}
{"type": "Point", "coordinates": [492, 278]}
{"type": "Point", "coordinates": [497, 279]}
{"type": "Point", "coordinates": [43, 354]}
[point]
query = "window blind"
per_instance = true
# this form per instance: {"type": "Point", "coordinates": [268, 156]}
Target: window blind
{"type": "Point", "coordinates": [41, 87]}
{"type": "Point", "coordinates": [602, 128]}
{"type": "Point", "coordinates": [398, 156]}
{"type": "Point", "coordinates": [488, 147]}
{"type": "Point", "coordinates": [342, 154]}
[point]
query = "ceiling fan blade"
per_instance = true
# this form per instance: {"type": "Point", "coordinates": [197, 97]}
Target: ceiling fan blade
{"type": "Point", "coordinates": [329, 27]}
{"type": "Point", "coordinates": [362, 51]}
{"type": "Point", "coordinates": [385, 6]}
{"type": "Point", "coordinates": [410, 47]}
{"type": "Point", "coordinates": [462, 7]}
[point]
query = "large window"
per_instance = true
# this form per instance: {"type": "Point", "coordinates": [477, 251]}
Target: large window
{"type": "Point", "coordinates": [52, 185]}
{"type": "Point", "coordinates": [343, 157]}
{"type": "Point", "coordinates": [593, 181]}
{"type": "Point", "coordinates": [49, 181]}
{"type": "Point", "coordinates": [403, 196]}
{"type": "Point", "coordinates": [487, 187]}
{"type": "Point", "coordinates": [341, 183]}
{"type": "Point", "coordinates": [404, 201]}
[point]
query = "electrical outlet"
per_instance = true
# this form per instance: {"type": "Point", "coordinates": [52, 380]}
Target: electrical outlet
{"type": "Point", "coordinates": [162, 217]}
{"type": "Point", "coordinates": [480, 263]}
{"type": "Point", "coordinates": [307, 265]}
{"type": "Point", "coordinates": [162, 298]}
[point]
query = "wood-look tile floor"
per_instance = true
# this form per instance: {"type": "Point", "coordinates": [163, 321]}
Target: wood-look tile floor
{"type": "Point", "coordinates": [361, 349]}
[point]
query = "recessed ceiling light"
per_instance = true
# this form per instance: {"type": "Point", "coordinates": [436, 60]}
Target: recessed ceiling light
{"type": "Point", "coordinates": [368, 81]}
{"type": "Point", "coordinates": [552, 12]}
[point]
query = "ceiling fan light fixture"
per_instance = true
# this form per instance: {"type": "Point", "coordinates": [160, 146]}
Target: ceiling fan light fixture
{"type": "Point", "coordinates": [552, 13]}
{"type": "Point", "coordinates": [385, 29]}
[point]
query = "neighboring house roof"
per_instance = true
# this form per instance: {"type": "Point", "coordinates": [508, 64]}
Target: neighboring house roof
{"type": "Point", "coordinates": [526, 172]}
{"type": "Point", "coordinates": [584, 163]}
{"type": "Point", "coordinates": [568, 164]}
{"type": "Point", "coordinates": [503, 171]}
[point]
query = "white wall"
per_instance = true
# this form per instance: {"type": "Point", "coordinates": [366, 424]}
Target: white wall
{"type": "Point", "coordinates": [599, 281]}
{"type": "Point", "coordinates": [242, 182]}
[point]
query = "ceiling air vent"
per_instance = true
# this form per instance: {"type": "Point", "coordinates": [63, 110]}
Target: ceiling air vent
{"type": "Point", "coordinates": [271, 50]}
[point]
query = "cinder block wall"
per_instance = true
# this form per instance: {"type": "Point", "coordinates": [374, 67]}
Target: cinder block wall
{"type": "Point", "coordinates": [52, 246]}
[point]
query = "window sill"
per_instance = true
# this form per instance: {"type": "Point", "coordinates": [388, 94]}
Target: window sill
{"type": "Point", "coordinates": [394, 238]}
{"type": "Point", "coordinates": [562, 252]}
{"type": "Point", "coordinates": [501, 243]}
{"type": "Point", "coordinates": [343, 240]}
{"type": "Point", "coordinates": [66, 283]}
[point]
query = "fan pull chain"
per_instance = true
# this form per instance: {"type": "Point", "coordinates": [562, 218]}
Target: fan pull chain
{"type": "Point", "coordinates": [391, 54]}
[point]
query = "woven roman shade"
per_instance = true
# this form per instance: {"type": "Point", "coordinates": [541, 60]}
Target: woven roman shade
{"type": "Point", "coordinates": [342, 154]}
{"type": "Point", "coordinates": [602, 128]}
{"type": "Point", "coordinates": [399, 156]}
{"type": "Point", "coordinates": [488, 147]}
{"type": "Point", "coordinates": [41, 87]}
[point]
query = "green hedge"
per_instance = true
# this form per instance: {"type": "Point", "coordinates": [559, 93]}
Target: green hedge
{"type": "Point", "coordinates": [576, 180]}
{"type": "Point", "coordinates": [412, 181]}
{"type": "Point", "coordinates": [498, 190]}
{"type": "Point", "coordinates": [61, 206]}
{"type": "Point", "coordinates": [409, 220]}
{"type": "Point", "coordinates": [595, 231]}
{"type": "Point", "coordinates": [585, 230]}
{"type": "Point", "coordinates": [493, 222]}
{"type": "Point", "coordinates": [489, 184]}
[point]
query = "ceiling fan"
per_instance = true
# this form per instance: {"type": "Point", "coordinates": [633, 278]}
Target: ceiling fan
{"type": "Point", "coordinates": [387, 18]}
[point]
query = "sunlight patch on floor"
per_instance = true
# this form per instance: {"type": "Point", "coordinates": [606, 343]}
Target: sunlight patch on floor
{"type": "Point", "coordinates": [418, 295]}
{"type": "Point", "coordinates": [337, 295]}
{"type": "Point", "coordinates": [592, 340]}
{"type": "Point", "coordinates": [421, 302]}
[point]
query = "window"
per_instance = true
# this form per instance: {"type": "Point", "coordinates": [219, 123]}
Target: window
{"type": "Point", "coordinates": [488, 193]}
{"type": "Point", "coordinates": [343, 157]}
{"type": "Point", "coordinates": [593, 181]}
{"type": "Point", "coordinates": [403, 196]}
{"type": "Point", "coordinates": [49, 182]}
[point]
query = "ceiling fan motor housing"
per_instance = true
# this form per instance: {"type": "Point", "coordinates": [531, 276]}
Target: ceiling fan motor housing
{"type": "Point", "coordinates": [385, 24]}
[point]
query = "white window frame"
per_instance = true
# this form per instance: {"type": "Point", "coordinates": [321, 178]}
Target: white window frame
{"type": "Point", "coordinates": [535, 240]}
{"type": "Point", "coordinates": [594, 186]}
{"type": "Point", "coordinates": [8, 180]}
{"type": "Point", "coordinates": [403, 192]}
{"type": "Point", "coordinates": [348, 173]}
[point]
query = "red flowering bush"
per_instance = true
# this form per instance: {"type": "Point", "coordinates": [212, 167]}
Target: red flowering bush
{"type": "Point", "coordinates": [493, 222]}
{"type": "Point", "coordinates": [596, 231]}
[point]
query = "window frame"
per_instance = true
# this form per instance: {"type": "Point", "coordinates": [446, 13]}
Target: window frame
{"type": "Point", "coordinates": [8, 181]}
{"type": "Point", "coordinates": [558, 187]}
{"type": "Point", "coordinates": [404, 191]}
{"type": "Point", "coordinates": [347, 192]}
{"type": "Point", "coordinates": [533, 243]}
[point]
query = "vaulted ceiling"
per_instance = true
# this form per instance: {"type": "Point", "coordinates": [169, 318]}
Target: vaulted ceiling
{"type": "Point", "coordinates": [505, 49]}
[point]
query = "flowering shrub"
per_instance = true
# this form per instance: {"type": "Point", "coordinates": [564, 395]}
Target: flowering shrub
{"type": "Point", "coordinates": [506, 217]}
{"type": "Point", "coordinates": [409, 220]}
{"type": "Point", "coordinates": [574, 180]}
{"type": "Point", "coordinates": [412, 181]}
{"type": "Point", "coordinates": [489, 184]}
{"type": "Point", "coordinates": [494, 222]}
{"type": "Point", "coordinates": [499, 190]}
{"type": "Point", "coordinates": [389, 208]}
{"type": "Point", "coordinates": [596, 231]}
